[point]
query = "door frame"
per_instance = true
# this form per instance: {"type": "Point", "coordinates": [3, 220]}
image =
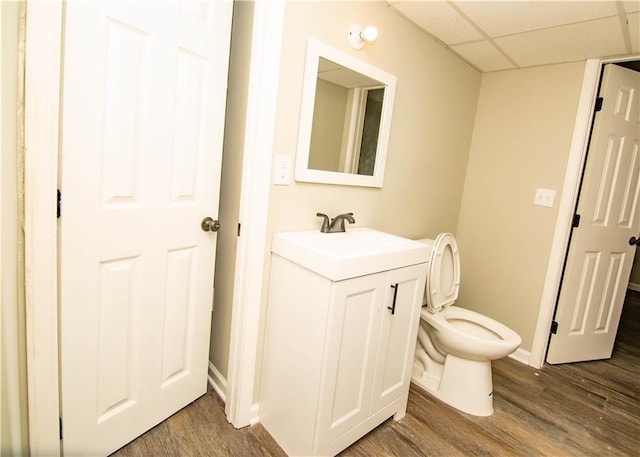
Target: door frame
{"type": "Point", "coordinates": [43, 50]}
{"type": "Point", "coordinates": [569, 198]}
{"type": "Point", "coordinates": [42, 98]}
{"type": "Point", "coordinates": [241, 405]}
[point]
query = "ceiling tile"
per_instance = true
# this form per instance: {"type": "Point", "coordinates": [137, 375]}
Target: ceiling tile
{"type": "Point", "coordinates": [440, 19]}
{"type": "Point", "coordinates": [528, 32]}
{"type": "Point", "coordinates": [483, 55]}
{"type": "Point", "coordinates": [499, 18]}
{"type": "Point", "coordinates": [598, 38]}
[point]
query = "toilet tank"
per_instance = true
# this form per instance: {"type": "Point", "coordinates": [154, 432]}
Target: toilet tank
{"type": "Point", "coordinates": [428, 242]}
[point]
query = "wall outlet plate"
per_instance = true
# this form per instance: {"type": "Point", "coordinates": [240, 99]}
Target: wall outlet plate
{"type": "Point", "coordinates": [282, 170]}
{"type": "Point", "coordinates": [544, 197]}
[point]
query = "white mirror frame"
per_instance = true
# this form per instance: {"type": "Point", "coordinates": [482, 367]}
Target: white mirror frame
{"type": "Point", "coordinates": [315, 50]}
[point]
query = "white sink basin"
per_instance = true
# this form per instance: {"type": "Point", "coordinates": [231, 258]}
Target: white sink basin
{"type": "Point", "coordinates": [356, 252]}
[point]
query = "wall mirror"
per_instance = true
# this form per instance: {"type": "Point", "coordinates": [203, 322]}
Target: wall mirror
{"type": "Point", "coordinates": [345, 119]}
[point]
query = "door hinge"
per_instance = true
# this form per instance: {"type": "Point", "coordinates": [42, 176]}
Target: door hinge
{"type": "Point", "coordinates": [576, 220]}
{"type": "Point", "coordinates": [59, 203]}
{"type": "Point", "coordinates": [60, 426]}
{"type": "Point", "coordinates": [239, 225]}
{"type": "Point", "coordinates": [554, 327]}
{"type": "Point", "coordinates": [599, 102]}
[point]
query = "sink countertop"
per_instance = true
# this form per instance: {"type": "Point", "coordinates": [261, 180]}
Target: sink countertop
{"type": "Point", "coordinates": [356, 252]}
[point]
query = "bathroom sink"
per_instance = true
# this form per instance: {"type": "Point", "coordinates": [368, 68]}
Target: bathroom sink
{"type": "Point", "coordinates": [356, 252]}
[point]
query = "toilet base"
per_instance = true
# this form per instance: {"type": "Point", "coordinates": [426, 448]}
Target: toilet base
{"type": "Point", "coordinates": [465, 384]}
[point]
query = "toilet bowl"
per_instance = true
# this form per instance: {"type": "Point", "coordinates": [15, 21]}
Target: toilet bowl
{"type": "Point", "coordinates": [455, 345]}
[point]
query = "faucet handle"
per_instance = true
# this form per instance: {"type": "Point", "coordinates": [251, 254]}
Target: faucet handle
{"type": "Point", "coordinates": [325, 223]}
{"type": "Point", "coordinates": [337, 223]}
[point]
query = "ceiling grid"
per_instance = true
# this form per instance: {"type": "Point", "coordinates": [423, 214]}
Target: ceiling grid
{"type": "Point", "coordinates": [494, 35]}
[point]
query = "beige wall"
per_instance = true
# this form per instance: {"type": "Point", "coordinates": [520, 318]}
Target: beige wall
{"type": "Point", "coordinates": [13, 413]}
{"type": "Point", "coordinates": [430, 136]}
{"type": "Point", "coordinates": [430, 133]}
{"type": "Point", "coordinates": [329, 114]}
{"type": "Point", "coordinates": [439, 146]}
{"type": "Point", "coordinates": [230, 184]}
{"type": "Point", "coordinates": [521, 141]}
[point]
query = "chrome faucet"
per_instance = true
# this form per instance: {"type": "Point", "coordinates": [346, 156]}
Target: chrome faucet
{"type": "Point", "coordinates": [336, 224]}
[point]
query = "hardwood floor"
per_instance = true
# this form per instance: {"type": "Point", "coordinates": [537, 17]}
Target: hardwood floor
{"type": "Point", "coordinates": [581, 409]}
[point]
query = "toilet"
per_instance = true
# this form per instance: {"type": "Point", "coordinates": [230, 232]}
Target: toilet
{"type": "Point", "coordinates": [455, 345]}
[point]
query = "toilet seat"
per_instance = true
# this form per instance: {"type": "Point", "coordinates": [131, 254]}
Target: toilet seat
{"type": "Point", "coordinates": [443, 280]}
{"type": "Point", "coordinates": [471, 335]}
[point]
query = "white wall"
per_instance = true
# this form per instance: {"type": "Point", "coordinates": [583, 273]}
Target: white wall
{"type": "Point", "coordinates": [521, 140]}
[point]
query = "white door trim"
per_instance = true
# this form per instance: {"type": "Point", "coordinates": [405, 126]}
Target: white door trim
{"type": "Point", "coordinates": [254, 199]}
{"type": "Point", "coordinates": [571, 187]}
{"type": "Point", "coordinates": [42, 96]}
{"type": "Point", "coordinates": [43, 53]}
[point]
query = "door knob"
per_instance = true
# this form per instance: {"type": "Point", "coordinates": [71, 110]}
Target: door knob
{"type": "Point", "coordinates": [210, 225]}
{"type": "Point", "coordinates": [633, 240]}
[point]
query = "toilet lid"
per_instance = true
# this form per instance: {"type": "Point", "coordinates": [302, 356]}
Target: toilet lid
{"type": "Point", "coordinates": [443, 281]}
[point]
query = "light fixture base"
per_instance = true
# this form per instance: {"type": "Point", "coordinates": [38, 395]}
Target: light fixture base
{"type": "Point", "coordinates": [355, 40]}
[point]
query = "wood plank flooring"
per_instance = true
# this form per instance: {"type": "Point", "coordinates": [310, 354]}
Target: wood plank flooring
{"type": "Point", "coordinates": [581, 409]}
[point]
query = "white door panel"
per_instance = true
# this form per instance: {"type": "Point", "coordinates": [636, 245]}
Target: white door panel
{"type": "Point", "coordinates": [349, 361]}
{"type": "Point", "coordinates": [600, 257]}
{"type": "Point", "coordinates": [144, 88]}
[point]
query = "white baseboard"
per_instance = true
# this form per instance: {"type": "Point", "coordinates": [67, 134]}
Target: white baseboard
{"type": "Point", "coordinates": [521, 356]}
{"type": "Point", "coordinates": [217, 382]}
{"type": "Point", "coordinates": [634, 287]}
{"type": "Point", "coordinates": [255, 414]}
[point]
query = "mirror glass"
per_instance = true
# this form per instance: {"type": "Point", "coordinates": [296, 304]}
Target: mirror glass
{"type": "Point", "coordinates": [345, 119]}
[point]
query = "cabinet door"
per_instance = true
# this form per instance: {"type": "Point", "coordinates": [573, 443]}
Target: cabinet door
{"type": "Point", "coordinates": [398, 334]}
{"type": "Point", "coordinates": [349, 356]}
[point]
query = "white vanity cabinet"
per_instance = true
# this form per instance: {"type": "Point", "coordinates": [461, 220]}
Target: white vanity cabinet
{"type": "Point", "coordinates": [338, 352]}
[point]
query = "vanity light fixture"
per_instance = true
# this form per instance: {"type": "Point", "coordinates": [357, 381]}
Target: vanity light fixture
{"type": "Point", "coordinates": [359, 36]}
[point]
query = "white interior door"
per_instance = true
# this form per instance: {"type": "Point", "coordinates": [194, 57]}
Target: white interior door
{"type": "Point", "coordinates": [600, 256]}
{"type": "Point", "coordinates": [143, 99]}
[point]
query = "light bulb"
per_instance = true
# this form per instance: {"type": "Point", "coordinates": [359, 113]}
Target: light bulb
{"type": "Point", "coordinates": [369, 34]}
{"type": "Point", "coordinates": [359, 36]}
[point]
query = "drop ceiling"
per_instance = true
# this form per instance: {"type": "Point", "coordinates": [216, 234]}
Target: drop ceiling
{"type": "Point", "coordinates": [494, 35]}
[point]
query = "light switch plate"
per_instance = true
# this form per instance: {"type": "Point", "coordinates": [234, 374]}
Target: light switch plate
{"type": "Point", "coordinates": [544, 197]}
